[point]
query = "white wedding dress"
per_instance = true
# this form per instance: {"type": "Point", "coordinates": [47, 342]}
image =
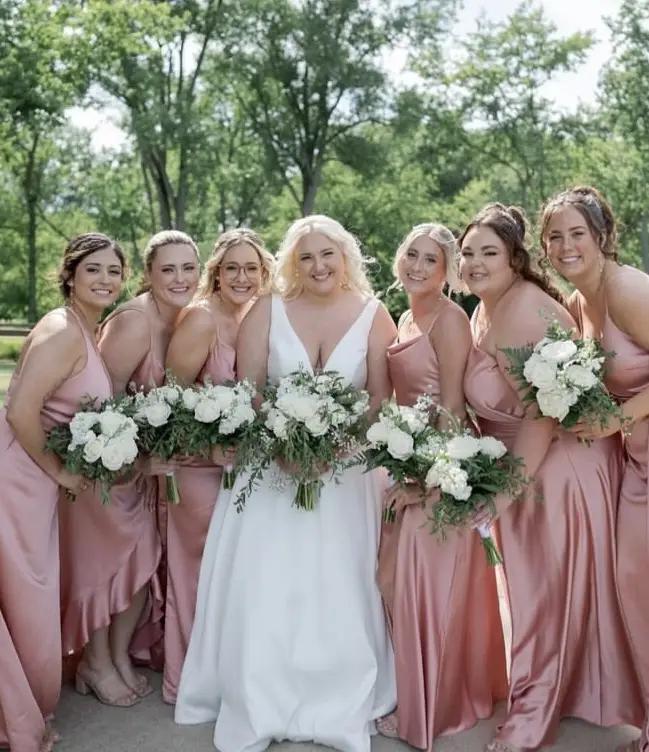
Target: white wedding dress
{"type": "Point", "coordinates": [289, 638]}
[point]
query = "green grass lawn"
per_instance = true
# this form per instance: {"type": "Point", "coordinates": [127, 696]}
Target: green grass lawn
{"type": "Point", "coordinates": [6, 370]}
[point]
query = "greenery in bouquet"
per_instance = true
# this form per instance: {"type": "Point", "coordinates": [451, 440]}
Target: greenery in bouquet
{"type": "Point", "coordinates": [470, 472]}
{"type": "Point", "coordinates": [312, 423]}
{"type": "Point", "coordinates": [564, 377]}
{"type": "Point", "coordinates": [99, 443]}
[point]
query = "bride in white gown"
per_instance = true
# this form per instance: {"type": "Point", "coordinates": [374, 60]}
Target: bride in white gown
{"type": "Point", "coordinates": [289, 637]}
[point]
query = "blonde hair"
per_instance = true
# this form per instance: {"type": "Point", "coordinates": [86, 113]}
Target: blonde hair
{"type": "Point", "coordinates": [227, 240]}
{"type": "Point", "coordinates": [287, 278]}
{"type": "Point", "coordinates": [444, 239]}
{"type": "Point", "coordinates": [159, 240]}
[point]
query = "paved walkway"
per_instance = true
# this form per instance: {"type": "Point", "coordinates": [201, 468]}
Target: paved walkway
{"type": "Point", "coordinates": [88, 726]}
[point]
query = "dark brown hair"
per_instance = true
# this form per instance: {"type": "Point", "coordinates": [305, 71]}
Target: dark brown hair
{"type": "Point", "coordinates": [159, 240]}
{"type": "Point", "coordinates": [510, 224]}
{"type": "Point", "coordinates": [594, 208]}
{"type": "Point", "coordinates": [77, 250]}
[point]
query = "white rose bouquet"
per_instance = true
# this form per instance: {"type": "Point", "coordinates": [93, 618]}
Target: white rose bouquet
{"type": "Point", "coordinates": [469, 473]}
{"type": "Point", "coordinates": [99, 444]}
{"type": "Point", "coordinates": [310, 422]}
{"type": "Point", "coordinates": [403, 442]}
{"type": "Point", "coordinates": [214, 415]}
{"type": "Point", "coordinates": [564, 377]}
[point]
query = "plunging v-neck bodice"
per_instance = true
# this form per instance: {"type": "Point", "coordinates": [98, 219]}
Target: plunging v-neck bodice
{"type": "Point", "coordinates": [287, 353]}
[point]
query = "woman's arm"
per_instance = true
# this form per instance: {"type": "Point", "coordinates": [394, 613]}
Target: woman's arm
{"type": "Point", "coordinates": [190, 344]}
{"type": "Point", "coordinates": [125, 340]}
{"type": "Point", "coordinates": [382, 335]}
{"type": "Point", "coordinates": [252, 343]}
{"type": "Point", "coordinates": [451, 340]}
{"type": "Point", "coordinates": [55, 351]}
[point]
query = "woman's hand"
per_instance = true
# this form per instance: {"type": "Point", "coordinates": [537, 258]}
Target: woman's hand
{"type": "Point", "coordinates": [398, 497]}
{"type": "Point", "coordinates": [487, 514]}
{"type": "Point", "coordinates": [73, 484]}
{"type": "Point", "coordinates": [225, 457]}
{"type": "Point", "coordinates": [592, 431]}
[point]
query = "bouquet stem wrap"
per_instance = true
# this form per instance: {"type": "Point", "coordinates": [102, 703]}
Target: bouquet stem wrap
{"type": "Point", "coordinates": [229, 477]}
{"type": "Point", "coordinates": [172, 494]}
{"type": "Point", "coordinates": [489, 545]}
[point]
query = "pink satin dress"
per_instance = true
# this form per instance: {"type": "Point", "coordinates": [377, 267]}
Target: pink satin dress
{"type": "Point", "coordinates": [109, 553]}
{"type": "Point", "coordinates": [30, 634]}
{"type": "Point", "coordinates": [187, 525]}
{"type": "Point", "coordinates": [441, 598]}
{"type": "Point", "coordinates": [569, 653]}
{"type": "Point", "coordinates": [627, 375]}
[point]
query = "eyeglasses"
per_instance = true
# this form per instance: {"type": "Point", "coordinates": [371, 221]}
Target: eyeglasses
{"type": "Point", "coordinates": [232, 270]}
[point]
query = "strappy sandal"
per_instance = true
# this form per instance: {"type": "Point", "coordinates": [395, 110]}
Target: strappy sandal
{"type": "Point", "coordinates": [388, 726]}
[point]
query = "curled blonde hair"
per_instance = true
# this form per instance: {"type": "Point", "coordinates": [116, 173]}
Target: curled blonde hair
{"type": "Point", "coordinates": [287, 278]}
{"type": "Point", "coordinates": [209, 283]}
{"type": "Point", "coordinates": [160, 240]}
{"type": "Point", "coordinates": [444, 239]}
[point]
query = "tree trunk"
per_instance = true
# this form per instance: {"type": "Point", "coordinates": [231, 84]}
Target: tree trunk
{"type": "Point", "coordinates": [644, 240]}
{"type": "Point", "coordinates": [31, 194]}
{"type": "Point", "coordinates": [310, 185]}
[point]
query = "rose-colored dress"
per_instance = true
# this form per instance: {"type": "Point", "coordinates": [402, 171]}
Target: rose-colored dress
{"type": "Point", "coordinates": [187, 525]}
{"type": "Point", "coordinates": [627, 375]}
{"type": "Point", "coordinates": [30, 636]}
{"type": "Point", "coordinates": [108, 553]}
{"type": "Point", "coordinates": [442, 599]}
{"type": "Point", "coordinates": [569, 654]}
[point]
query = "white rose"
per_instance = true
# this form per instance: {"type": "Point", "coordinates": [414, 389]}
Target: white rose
{"type": "Point", "coordinates": [129, 450]}
{"type": "Point", "coordinates": [539, 372]}
{"type": "Point", "coordinates": [462, 447]}
{"type": "Point", "coordinates": [492, 447]}
{"type": "Point", "coordinates": [157, 413]}
{"type": "Point", "coordinates": [560, 351]}
{"type": "Point", "coordinates": [112, 456]}
{"type": "Point", "coordinates": [400, 444]}
{"type": "Point", "coordinates": [317, 426]}
{"type": "Point", "coordinates": [169, 394]}
{"type": "Point", "coordinates": [190, 398]}
{"type": "Point", "coordinates": [580, 376]}
{"type": "Point", "coordinates": [378, 432]}
{"type": "Point", "coordinates": [111, 422]}
{"type": "Point", "coordinates": [555, 403]}
{"type": "Point", "coordinates": [223, 395]}
{"type": "Point", "coordinates": [207, 410]}
{"type": "Point", "coordinates": [413, 419]}
{"type": "Point", "coordinates": [93, 449]}
{"type": "Point", "coordinates": [81, 424]}
{"type": "Point", "coordinates": [302, 407]}
{"type": "Point", "coordinates": [280, 425]}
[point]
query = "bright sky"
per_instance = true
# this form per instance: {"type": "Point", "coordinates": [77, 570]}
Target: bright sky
{"type": "Point", "coordinates": [567, 91]}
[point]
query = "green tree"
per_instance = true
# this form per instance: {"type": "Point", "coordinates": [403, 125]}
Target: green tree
{"type": "Point", "coordinates": [626, 97]}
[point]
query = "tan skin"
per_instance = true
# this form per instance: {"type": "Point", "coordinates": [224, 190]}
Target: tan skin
{"type": "Point", "coordinates": [504, 321]}
{"type": "Point", "coordinates": [124, 343]}
{"type": "Point", "coordinates": [422, 271]}
{"type": "Point", "coordinates": [322, 273]}
{"type": "Point", "coordinates": [54, 352]}
{"type": "Point", "coordinates": [239, 281]}
{"type": "Point", "coordinates": [602, 286]}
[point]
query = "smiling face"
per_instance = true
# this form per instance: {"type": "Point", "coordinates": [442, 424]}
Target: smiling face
{"type": "Point", "coordinates": [485, 264]}
{"type": "Point", "coordinates": [174, 274]}
{"type": "Point", "coordinates": [569, 243]}
{"type": "Point", "coordinates": [97, 279]}
{"type": "Point", "coordinates": [422, 267]}
{"type": "Point", "coordinates": [240, 274]}
{"type": "Point", "coordinates": [320, 264]}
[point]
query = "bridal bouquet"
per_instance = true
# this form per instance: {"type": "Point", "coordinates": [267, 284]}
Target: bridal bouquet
{"type": "Point", "coordinates": [403, 442]}
{"type": "Point", "coordinates": [99, 444]}
{"type": "Point", "coordinates": [469, 473]}
{"type": "Point", "coordinates": [564, 377]}
{"type": "Point", "coordinates": [311, 422]}
{"type": "Point", "coordinates": [215, 415]}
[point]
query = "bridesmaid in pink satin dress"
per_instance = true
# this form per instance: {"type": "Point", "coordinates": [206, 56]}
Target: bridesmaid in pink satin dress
{"type": "Point", "coordinates": [570, 656]}
{"type": "Point", "coordinates": [58, 367]}
{"type": "Point", "coordinates": [203, 348]}
{"type": "Point", "coordinates": [611, 303]}
{"type": "Point", "coordinates": [440, 594]}
{"type": "Point", "coordinates": [110, 554]}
